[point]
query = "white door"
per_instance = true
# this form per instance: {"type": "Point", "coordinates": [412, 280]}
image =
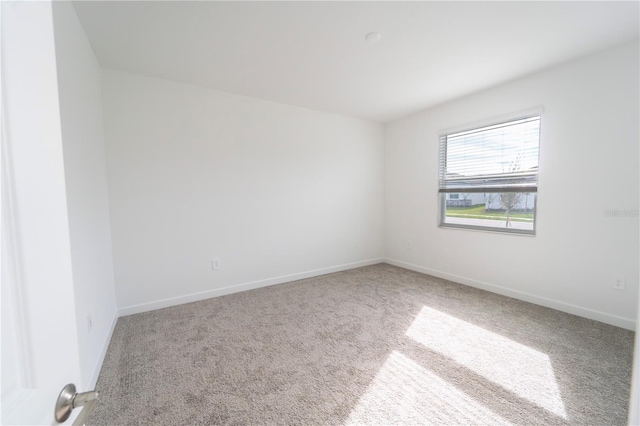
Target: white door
{"type": "Point", "coordinates": [39, 336]}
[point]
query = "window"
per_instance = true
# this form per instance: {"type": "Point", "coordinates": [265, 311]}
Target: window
{"type": "Point", "coordinates": [491, 176]}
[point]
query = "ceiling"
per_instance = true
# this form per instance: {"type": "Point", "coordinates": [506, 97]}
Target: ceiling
{"type": "Point", "coordinates": [314, 54]}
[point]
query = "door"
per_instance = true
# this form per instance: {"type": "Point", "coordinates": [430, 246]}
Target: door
{"type": "Point", "coordinates": [39, 336]}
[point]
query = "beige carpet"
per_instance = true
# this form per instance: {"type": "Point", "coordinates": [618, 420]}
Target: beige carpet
{"type": "Point", "coordinates": [375, 345]}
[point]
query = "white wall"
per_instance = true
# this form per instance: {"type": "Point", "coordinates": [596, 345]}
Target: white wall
{"type": "Point", "coordinates": [588, 163]}
{"type": "Point", "coordinates": [86, 187]}
{"type": "Point", "coordinates": [276, 192]}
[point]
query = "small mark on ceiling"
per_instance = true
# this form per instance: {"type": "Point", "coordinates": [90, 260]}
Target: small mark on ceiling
{"type": "Point", "coordinates": [373, 37]}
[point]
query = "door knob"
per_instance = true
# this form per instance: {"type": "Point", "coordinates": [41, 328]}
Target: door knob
{"type": "Point", "coordinates": [70, 399]}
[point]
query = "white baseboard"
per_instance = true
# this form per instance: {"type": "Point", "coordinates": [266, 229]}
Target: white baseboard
{"type": "Point", "coordinates": [194, 297]}
{"type": "Point", "coordinates": [618, 321]}
{"type": "Point", "coordinates": [103, 353]}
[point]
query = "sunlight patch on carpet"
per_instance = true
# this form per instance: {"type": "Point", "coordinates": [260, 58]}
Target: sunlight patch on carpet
{"type": "Point", "coordinates": [403, 392]}
{"type": "Point", "coordinates": [517, 368]}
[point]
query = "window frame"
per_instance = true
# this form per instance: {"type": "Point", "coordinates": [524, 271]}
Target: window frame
{"type": "Point", "coordinates": [442, 196]}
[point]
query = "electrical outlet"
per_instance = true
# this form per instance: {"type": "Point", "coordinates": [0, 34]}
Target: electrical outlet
{"type": "Point", "coordinates": [89, 323]}
{"type": "Point", "coordinates": [215, 264]}
{"type": "Point", "coordinates": [619, 282]}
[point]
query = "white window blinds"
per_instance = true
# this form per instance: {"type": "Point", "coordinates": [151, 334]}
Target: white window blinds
{"type": "Point", "coordinates": [497, 158]}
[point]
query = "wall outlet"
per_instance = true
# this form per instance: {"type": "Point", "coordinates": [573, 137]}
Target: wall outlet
{"type": "Point", "coordinates": [89, 323]}
{"type": "Point", "coordinates": [215, 264]}
{"type": "Point", "coordinates": [619, 282]}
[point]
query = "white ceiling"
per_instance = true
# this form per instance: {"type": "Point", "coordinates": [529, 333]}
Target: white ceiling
{"type": "Point", "coordinates": [314, 54]}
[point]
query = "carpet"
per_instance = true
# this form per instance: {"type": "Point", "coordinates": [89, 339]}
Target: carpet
{"type": "Point", "coordinates": [375, 345]}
